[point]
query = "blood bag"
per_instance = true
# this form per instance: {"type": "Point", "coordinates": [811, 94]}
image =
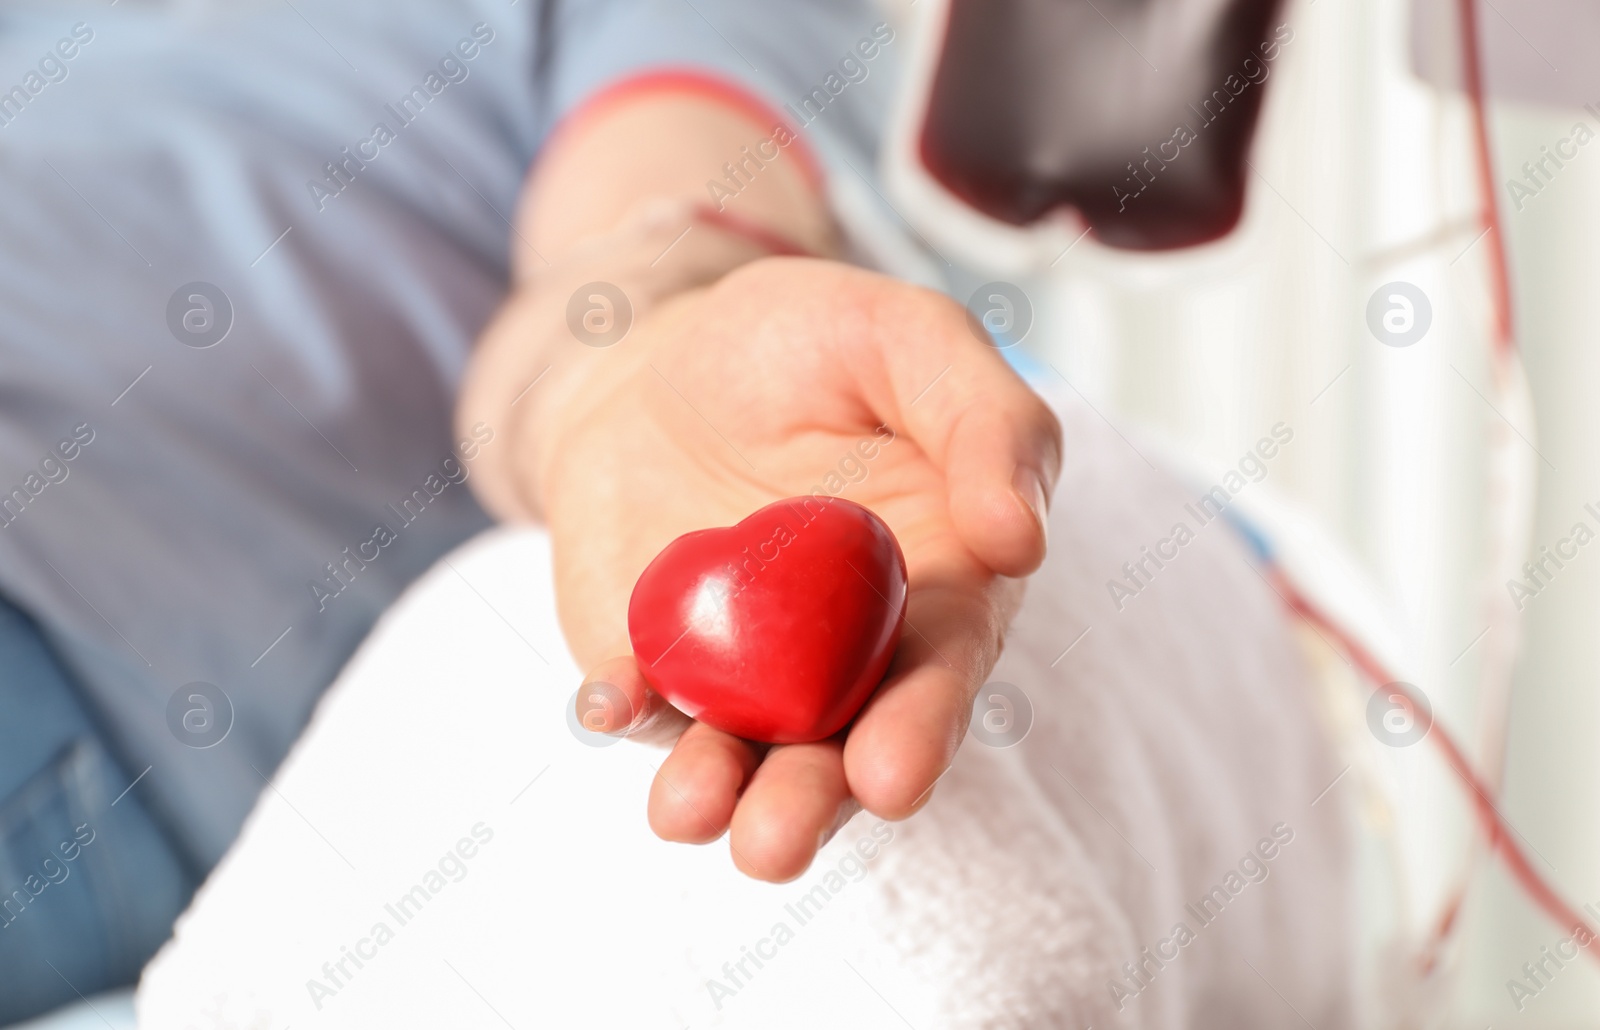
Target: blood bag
{"type": "Point", "coordinates": [1129, 119]}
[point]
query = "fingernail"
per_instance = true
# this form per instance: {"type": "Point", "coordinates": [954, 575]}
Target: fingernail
{"type": "Point", "coordinates": [1030, 489]}
{"type": "Point", "coordinates": [603, 708]}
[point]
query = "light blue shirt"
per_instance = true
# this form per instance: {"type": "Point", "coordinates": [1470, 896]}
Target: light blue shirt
{"type": "Point", "coordinates": [245, 248]}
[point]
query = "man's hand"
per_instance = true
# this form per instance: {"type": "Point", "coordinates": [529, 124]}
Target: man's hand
{"type": "Point", "coordinates": [724, 398]}
{"type": "Point", "coordinates": [759, 388]}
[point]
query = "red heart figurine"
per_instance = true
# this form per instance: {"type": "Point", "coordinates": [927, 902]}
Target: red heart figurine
{"type": "Point", "coordinates": [777, 629]}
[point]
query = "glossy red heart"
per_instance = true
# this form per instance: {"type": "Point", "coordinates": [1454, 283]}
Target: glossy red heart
{"type": "Point", "coordinates": [776, 629]}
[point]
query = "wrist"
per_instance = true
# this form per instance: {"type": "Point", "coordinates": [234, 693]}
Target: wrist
{"type": "Point", "coordinates": [572, 326]}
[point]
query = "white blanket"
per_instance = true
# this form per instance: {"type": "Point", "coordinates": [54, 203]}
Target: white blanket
{"type": "Point", "coordinates": [441, 823]}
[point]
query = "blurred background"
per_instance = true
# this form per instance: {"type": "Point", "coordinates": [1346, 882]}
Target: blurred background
{"type": "Point", "coordinates": [1364, 175]}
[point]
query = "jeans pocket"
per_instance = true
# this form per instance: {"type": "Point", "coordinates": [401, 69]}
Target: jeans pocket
{"type": "Point", "coordinates": [89, 886]}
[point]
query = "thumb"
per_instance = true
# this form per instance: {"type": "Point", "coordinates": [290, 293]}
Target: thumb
{"type": "Point", "coordinates": [997, 442]}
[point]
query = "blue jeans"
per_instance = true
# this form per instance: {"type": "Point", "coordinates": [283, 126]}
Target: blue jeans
{"type": "Point", "coordinates": [89, 884]}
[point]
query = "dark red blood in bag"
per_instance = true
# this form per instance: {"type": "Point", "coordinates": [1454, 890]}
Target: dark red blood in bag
{"type": "Point", "coordinates": [1038, 105]}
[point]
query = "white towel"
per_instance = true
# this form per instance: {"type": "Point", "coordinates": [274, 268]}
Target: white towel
{"type": "Point", "coordinates": [1169, 742]}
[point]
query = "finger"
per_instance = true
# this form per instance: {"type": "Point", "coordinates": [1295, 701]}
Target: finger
{"type": "Point", "coordinates": [1001, 517]}
{"type": "Point", "coordinates": [998, 444]}
{"type": "Point", "coordinates": [908, 732]}
{"type": "Point", "coordinates": [693, 795]}
{"type": "Point", "coordinates": [797, 799]}
{"type": "Point", "coordinates": [616, 699]}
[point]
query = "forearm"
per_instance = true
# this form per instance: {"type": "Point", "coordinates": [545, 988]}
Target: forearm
{"type": "Point", "coordinates": [609, 201]}
{"type": "Point", "coordinates": [648, 146]}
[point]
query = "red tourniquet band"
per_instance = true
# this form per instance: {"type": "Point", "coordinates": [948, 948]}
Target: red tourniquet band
{"type": "Point", "coordinates": [695, 82]}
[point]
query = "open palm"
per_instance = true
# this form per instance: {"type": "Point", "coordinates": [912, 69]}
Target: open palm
{"type": "Point", "coordinates": [788, 376]}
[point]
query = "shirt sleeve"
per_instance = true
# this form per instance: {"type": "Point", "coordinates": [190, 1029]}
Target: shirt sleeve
{"type": "Point", "coordinates": [823, 67]}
